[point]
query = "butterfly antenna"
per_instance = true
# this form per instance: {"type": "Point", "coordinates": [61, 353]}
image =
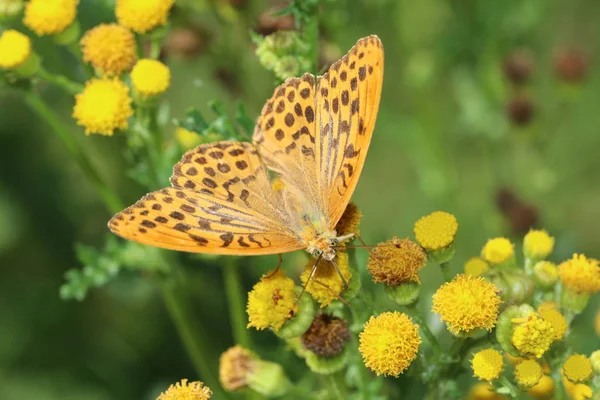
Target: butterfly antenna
{"type": "Point", "coordinates": [340, 274]}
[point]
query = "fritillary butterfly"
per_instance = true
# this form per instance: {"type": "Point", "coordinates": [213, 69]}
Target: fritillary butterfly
{"type": "Point", "coordinates": [313, 133]}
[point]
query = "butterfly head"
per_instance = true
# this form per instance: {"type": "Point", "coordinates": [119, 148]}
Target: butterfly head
{"type": "Point", "coordinates": [324, 246]}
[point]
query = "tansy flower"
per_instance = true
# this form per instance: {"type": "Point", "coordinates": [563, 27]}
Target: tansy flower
{"type": "Point", "coordinates": [110, 48]}
{"type": "Point", "coordinates": [329, 284]}
{"type": "Point", "coordinates": [532, 335]}
{"type": "Point", "coordinates": [556, 319]}
{"type": "Point", "coordinates": [103, 106]}
{"type": "Point", "coordinates": [577, 368]}
{"type": "Point", "coordinates": [577, 391]}
{"type": "Point", "coordinates": [545, 273]}
{"type": "Point", "coordinates": [188, 391]}
{"type": "Point", "coordinates": [487, 364]}
{"type": "Point", "coordinates": [326, 336]}
{"type": "Point", "coordinates": [467, 303]}
{"type": "Point", "coordinates": [349, 221]}
{"type": "Point", "coordinates": [396, 261]}
{"type": "Point", "coordinates": [150, 77]}
{"type": "Point", "coordinates": [528, 373]}
{"type": "Point", "coordinates": [49, 17]}
{"type": "Point", "coordinates": [476, 266]}
{"type": "Point", "coordinates": [187, 139]}
{"type": "Point", "coordinates": [580, 274]}
{"type": "Point", "coordinates": [484, 391]}
{"type": "Point", "coordinates": [548, 304]}
{"type": "Point", "coordinates": [15, 49]}
{"type": "Point", "coordinates": [537, 244]}
{"type": "Point", "coordinates": [498, 250]}
{"type": "Point", "coordinates": [271, 300]}
{"type": "Point", "coordinates": [389, 343]}
{"type": "Point", "coordinates": [436, 230]}
{"type": "Point", "coordinates": [543, 390]}
{"type": "Point", "coordinates": [143, 15]}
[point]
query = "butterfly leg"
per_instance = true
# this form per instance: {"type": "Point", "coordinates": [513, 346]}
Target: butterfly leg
{"type": "Point", "coordinates": [312, 274]}
{"type": "Point", "coordinates": [331, 290]}
{"type": "Point", "coordinates": [277, 268]}
{"type": "Point", "coordinates": [339, 273]}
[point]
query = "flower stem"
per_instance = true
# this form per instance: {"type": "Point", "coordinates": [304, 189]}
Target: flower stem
{"type": "Point", "coordinates": [233, 289]}
{"type": "Point", "coordinates": [445, 267]}
{"type": "Point", "coordinates": [416, 314]}
{"type": "Point", "coordinates": [69, 86]}
{"type": "Point", "coordinates": [311, 32]}
{"type": "Point", "coordinates": [111, 200]}
{"type": "Point", "coordinates": [514, 391]}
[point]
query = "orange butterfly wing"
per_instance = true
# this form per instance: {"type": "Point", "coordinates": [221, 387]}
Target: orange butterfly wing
{"type": "Point", "coordinates": [221, 202]}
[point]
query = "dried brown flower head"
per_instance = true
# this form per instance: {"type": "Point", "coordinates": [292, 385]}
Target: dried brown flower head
{"type": "Point", "coordinates": [326, 336]}
{"type": "Point", "coordinates": [396, 261]}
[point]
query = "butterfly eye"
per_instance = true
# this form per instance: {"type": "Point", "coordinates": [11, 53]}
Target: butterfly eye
{"type": "Point", "coordinates": [318, 253]}
{"type": "Point", "coordinates": [334, 242]}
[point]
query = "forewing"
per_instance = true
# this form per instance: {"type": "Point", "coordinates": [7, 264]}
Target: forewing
{"type": "Point", "coordinates": [221, 202]}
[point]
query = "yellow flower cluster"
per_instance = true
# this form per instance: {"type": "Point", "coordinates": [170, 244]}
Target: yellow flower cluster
{"type": "Point", "coordinates": [484, 391]}
{"type": "Point", "coordinates": [487, 364]}
{"type": "Point", "coordinates": [389, 343]}
{"type": "Point", "coordinates": [556, 319]}
{"type": "Point", "coordinates": [528, 373]}
{"type": "Point", "coordinates": [186, 391]}
{"type": "Point", "coordinates": [396, 261]}
{"type": "Point", "coordinates": [580, 274]}
{"type": "Point", "coordinates": [328, 284]}
{"type": "Point", "coordinates": [537, 244]}
{"type": "Point", "coordinates": [476, 266]}
{"type": "Point", "coordinates": [150, 77]}
{"type": "Point", "coordinates": [436, 230]}
{"type": "Point", "coordinates": [467, 303]}
{"type": "Point", "coordinates": [271, 301]}
{"type": "Point", "coordinates": [577, 368]}
{"type": "Point", "coordinates": [543, 390]}
{"type": "Point", "coordinates": [349, 221]}
{"type": "Point", "coordinates": [15, 49]}
{"type": "Point", "coordinates": [532, 335]}
{"type": "Point", "coordinates": [498, 250]}
{"type": "Point", "coordinates": [49, 17]}
{"type": "Point", "coordinates": [110, 48]}
{"type": "Point", "coordinates": [143, 15]}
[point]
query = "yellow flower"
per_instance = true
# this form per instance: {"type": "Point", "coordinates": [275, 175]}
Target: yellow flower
{"type": "Point", "coordinates": [110, 48]}
{"type": "Point", "coordinates": [467, 303]}
{"type": "Point", "coordinates": [436, 230]}
{"type": "Point", "coordinates": [349, 221]}
{"type": "Point", "coordinates": [528, 373]}
{"type": "Point", "coordinates": [271, 300]}
{"type": "Point", "coordinates": [103, 106]}
{"type": "Point", "coordinates": [389, 343]}
{"type": "Point", "coordinates": [476, 266]}
{"type": "Point", "coordinates": [150, 77]}
{"type": "Point", "coordinates": [49, 17]}
{"type": "Point", "coordinates": [329, 284]}
{"type": "Point", "coordinates": [537, 244]}
{"type": "Point", "coordinates": [580, 274]}
{"type": "Point", "coordinates": [556, 319]}
{"type": "Point", "coordinates": [548, 304]}
{"type": "Point", "coordinates": [577, 368]}
{"type": "Point", "coordinates": [186, 391]}
{"type": "Point", "coordinates": [487, 364]}
{"type": "Point", "coordinates": [498, 250]}
{"type": "Point", "coordinates": [543, 390]}
{"type": "Point", "coordinates": [396, 261]}
{"type": "Point", "coordinates": [143, 15]}
{"type": "Point", "coordinates": [578, 391]}
{"type": "Point", "coordinates": [484, 391]}
{"type": "Point", "coordinates": [532, 335]}
{"type": "Point", "coordinates": [187, 139]}
{"type": "Point", "coordinates": [15, 49]}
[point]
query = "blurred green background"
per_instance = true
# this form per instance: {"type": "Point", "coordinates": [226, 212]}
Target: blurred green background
{"type": "Point", "coordinates": [489, 111]}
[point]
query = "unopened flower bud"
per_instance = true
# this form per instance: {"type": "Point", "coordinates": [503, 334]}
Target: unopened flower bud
{"type": "Point", "coordinates": [545, 274]}
{"type": "Point", "coordinates": [404, 294]}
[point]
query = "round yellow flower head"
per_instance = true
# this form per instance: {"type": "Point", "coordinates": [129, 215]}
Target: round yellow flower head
{"type": "Point", "coordinates": [49, 17]}
{"type": "Point", "coordinates": [528, 373]}
{"type": "Point", "coordinates": [476, 266]}
{"type": "Point", "coordinates": [543, 390]}
{"type": "Point", "coordinates": [577, 368]}
{"type": "Point", "coordinates": [349, 221]}
{"type": "Point", "coordinates": [537, 244]}
{"type": "Point", "coordinates": [150, 77]}
{"type": "Point", "coordinates": [467, 303]}
{"type": "Point", "coordinates": [327, 275]}
{"type": "Point", "coordinates": [103, 106]}
{"type": "Point", "coordinates": [186, 391]}
{"type": "Point", "coordinates": [556, 319]}
{"type": "Point", "coordinates": [498, 250]}
{"type": "Point", "coordinates": [487, 364]}
{"type": "Point", "coordinates": [532, 335]}
{"type": "Point", "coordinates": [187, 139]}
{"type": "Point", "coordinates": [436, 230]}
{"type": "Point", "coordinates": [15, 49]}
{"type": "Point", "coordinates": [110, 48]}
{"type": "Point", "coordinates": [235, 365]}
{"type": "Point", "coordinates": [545, 273]}
{"type": "Point", "coordinates": [581, 392]}
{"type": "Point", "coordinates": [396, 261]}
{"type": "Point", "coordinates": [143, 15]}
{"type": "Point", "coordinates": [271, 300]}
{"type": "Point", "coordinates": [389, 343]}
{"type": "Point", "coordinates": [484, 391]}
{"type": "Point", "coordinates": [580, 274]}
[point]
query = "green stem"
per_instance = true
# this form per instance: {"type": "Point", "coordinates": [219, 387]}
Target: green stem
{"type": "Point", "coordinates": [336, 386]}
{"type": "Point", "coordinates": [445, 267]}
{"type": "Point", "coordinates": [61, 81]}
{"type": "Point", "coordinates": [514, 391]}
{"type": "Point", "coordinates": [416, 314]}
{"type": "Point", "coordinates": [192, 336]}
{"type": "Point", "coordinates": [311, 32]}
{"type": "Point", "coordinates": [237, 314]}
{"type": "Point", "coordinates": [111, 200]}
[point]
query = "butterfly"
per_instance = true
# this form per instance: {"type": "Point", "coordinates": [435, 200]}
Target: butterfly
{"type": "Point", "coordinates": [313, 134]}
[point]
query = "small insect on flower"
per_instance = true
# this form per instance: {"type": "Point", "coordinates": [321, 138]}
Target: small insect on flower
{"type": "Point", "coordinates": [188, 391]}
{"type": "Point", "coordinates": [110, 48]}
{"type": "Point", "coordinates": [15, 49]}
{"type": "Point", "coordinates": [528, 373]}
{"type": "Point", "coordinates": [580, 274]}
{"type": "Point", "coordinates": [49, 17]}
{"type": "Point", "coordinates": [577, 368]}
{"type": "Point", "coordinates": [142, 16]}
{"type": "Point", "coordinates": [498, 251]}
{"type": "Point", "coordinates": [271, 300]}
{"type": "Point", "coordinates": [487, 364]}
